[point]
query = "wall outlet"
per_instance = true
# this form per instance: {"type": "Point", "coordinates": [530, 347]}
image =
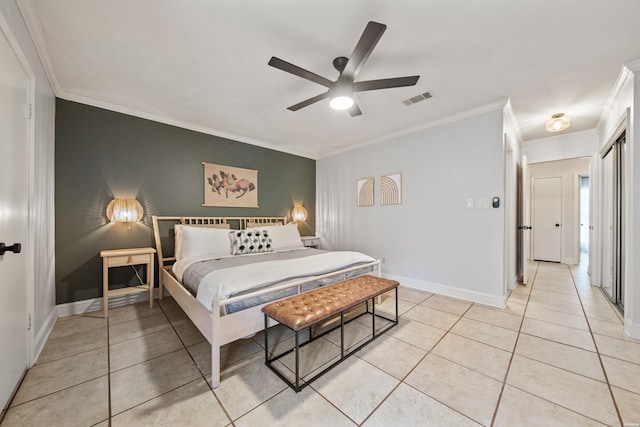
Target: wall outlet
{"type": "Point", "coordinates": [383, 260]}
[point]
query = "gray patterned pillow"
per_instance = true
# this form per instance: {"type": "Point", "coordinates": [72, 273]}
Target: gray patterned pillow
{"type": "Point", "coordinates": [249, 242]}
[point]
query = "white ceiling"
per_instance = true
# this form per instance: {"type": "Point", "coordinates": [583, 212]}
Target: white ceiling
{"type": "Point", "coordinates": [202, 64]}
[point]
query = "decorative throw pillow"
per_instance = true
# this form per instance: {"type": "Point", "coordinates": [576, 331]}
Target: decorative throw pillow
{"type": "Point", "coordinates": [249, 241]}
{"type": "Point", "coordinates": [284, 237]}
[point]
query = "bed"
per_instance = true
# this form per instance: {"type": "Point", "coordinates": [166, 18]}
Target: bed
{"type": "Point", "coordinates": [232, 287]}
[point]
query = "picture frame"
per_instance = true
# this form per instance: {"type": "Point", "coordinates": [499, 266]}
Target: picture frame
{"type": "Point", "coordinates": [365, 194]}
{"type": "Point", "coordinates": [228, 186]}
{"type": "Point", "coordinates": [391, 189]}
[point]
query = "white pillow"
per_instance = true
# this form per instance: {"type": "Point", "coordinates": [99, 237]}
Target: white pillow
{"type": "Point", "coordinates": [194, 241]}
{"type": "Point", "coordinates": [283, 236]}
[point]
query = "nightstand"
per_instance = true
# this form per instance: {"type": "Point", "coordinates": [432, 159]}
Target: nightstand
{"type": "Point", "coordinates": [123, 257]}
{"type": "Point", "coordinates": [311, 241]}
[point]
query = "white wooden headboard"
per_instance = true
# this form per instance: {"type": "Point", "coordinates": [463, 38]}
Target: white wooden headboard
{"type": "Point", "coordinates": [234, 222]}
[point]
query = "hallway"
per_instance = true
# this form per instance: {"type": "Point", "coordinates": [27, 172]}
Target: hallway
{"type": "Point", "coordinates": [557, 355]}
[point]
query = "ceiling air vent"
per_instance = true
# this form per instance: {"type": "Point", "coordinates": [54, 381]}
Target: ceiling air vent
{"type": "Point", "coordinates": [418, 98]}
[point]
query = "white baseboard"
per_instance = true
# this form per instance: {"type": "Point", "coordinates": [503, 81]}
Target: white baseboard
{"type": "Point", "coordinates": [491, 300]}
{"type": "Point", "coordinates": [95, 304]}
{"type": "Point", "coordinates": [41, 337]}
{"type": "Point", "coordinates": [632, 329]}
{"type": "Point", "coordinates": [570, 261]}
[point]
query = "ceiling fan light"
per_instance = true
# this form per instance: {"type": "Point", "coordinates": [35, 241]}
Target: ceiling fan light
{"type": "Point", "coordinates": [558, 122]}
{"type": "Point", "coordinates": [341, 102]}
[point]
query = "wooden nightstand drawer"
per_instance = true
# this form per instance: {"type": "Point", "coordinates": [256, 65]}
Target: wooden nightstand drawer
{"type": "Point", "coordinates": [116, 261]}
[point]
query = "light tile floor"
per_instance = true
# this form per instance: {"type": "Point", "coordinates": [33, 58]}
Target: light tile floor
{"type": "Point", "coordinates": [556, 355]}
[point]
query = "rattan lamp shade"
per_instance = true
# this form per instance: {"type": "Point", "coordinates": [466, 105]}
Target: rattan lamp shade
{"type": "Point", "coordinates": [124, 210]}
{"type": "Point", "coordinates": [299, 214]}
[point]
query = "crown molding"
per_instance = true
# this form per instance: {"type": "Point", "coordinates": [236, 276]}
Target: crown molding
{"type": "Point", "coordinates": [626, 74]}
{"type": "Point", "coordinates": [178, 123]}
{"type": "Point", "coordinates": [554, 137]}
{"type": "Point", "coordinates": [508, 110]}
{"type": "Point", "coordinates": [32, 21]}
{"type": "Point", "coordinates": [498, 105]}
{"type": "Point", "coordinates": [633, 65]}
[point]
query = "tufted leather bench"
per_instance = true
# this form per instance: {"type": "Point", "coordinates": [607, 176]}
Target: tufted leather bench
{"type": "Point", "coordinates": [313, 307]}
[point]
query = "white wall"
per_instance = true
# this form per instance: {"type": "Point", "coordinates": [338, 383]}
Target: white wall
{"type": "Point", "coordinates": [430, 241]}
{"type": "Point", "coordinates": [568, 146]}
{"type": "Point", "coordinates": [569, 170]}
{"type": "Point", "coordinates": [42, 205]}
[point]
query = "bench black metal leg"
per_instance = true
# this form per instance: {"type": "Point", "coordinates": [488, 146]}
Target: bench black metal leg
{"type": "Point", "coordinates": [297, 361]}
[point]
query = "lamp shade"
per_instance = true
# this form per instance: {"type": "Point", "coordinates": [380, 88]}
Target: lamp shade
{"type": "Point", "coordinates": [124, 210]}
{"type": "Point", "coordinates": [299, 214]}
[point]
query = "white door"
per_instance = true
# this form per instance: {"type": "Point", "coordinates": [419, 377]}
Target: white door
{"type": "Point", "coordinates": [547, 219]}
{"type": "Point", "coordinates": [14, 191]}
{"type": "Point", "coordinates": [607, 225]}
{"type": "Point", "coordinates": [526, 220]}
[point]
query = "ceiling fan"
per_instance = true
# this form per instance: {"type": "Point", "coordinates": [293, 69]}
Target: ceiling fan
{"type": "Point", "coordinates": [341, 91]}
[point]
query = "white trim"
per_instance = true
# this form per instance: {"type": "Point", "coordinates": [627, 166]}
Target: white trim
{"type": "Point", "coordinates": [450, 291]}
{"type": "Point", "coordinates": [32, 21]}
{"type": "Point", "coordinates": [434, 123]}
{"type": "Point", "coordinates": [623, 78]}
{"type": "Point", "coordinates": [632, 329]}
{"type": "Point", "coordinates": [95, 304]}
{"type": "Point", "coordinates": [43, 335]}
{"type": "Point", "coordinates": [531, 142]}
{"type": "Point", "coordinates": [173, 122]}
{"type": "Point", "coordinates": [621, 126]}
{"type": "Point", "coordinates": [508, 110]}
{"type": "Point", "coordinates": [633, 65]}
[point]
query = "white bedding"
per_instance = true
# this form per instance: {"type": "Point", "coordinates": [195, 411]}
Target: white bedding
{"type": "Point", "coordinates": [220, 284]}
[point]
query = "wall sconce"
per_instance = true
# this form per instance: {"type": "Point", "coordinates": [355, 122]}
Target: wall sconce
{"type": "Point", "coordinates": [124, 210]}
{"type": "Point", "coordinates": [298, 214]}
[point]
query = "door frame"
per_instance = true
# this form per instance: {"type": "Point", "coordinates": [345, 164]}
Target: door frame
{"type": "Point", "coordinates": [30, 112]}
{"type": "Point", "coordinates": [510, 218]}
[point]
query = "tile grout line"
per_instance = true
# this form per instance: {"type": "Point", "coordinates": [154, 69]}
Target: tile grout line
{"type": "Point", "coordinates": [595, 344]}
{"type": "Point", "coordinates": [108, 374]}
{"type": "Point", "coordinates": [402, 380]}
{"type": "Point", "coordinates": [513, 351]}
{"type": "Point", "coordinates": [203, 376]}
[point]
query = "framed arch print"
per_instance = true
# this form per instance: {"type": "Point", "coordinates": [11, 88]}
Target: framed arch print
{"type": "Point", "coordinates": [391, 189]}
{"type": "Point", "coordinates": [365, 192]}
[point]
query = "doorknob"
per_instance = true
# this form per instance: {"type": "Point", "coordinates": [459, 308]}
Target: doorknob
{"type": "Point", "coordinates": [15, 248]}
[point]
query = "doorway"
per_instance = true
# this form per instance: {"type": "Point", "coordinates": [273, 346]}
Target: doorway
{"type": "Point", "coordinates": [585, 225]}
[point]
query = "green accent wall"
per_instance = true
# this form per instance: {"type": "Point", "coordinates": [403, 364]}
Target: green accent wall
{"type": "Point", "coordinates": [101, 154]}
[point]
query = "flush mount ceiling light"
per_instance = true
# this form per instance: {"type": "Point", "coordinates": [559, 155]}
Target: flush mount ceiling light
{"type": "Point", "coordinates": [557, 123]}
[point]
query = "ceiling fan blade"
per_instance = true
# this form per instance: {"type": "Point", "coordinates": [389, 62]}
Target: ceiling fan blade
{"type": "Point", "coordinates": [355, 110]}
{"type": "Point", "coordinates": [300, 72]}
{"type": "Point", "coordinates": [367, 42]}
{"type": "Point", "coordinates": [309, 101]}
{"type": "Point", "coordinates": [385, 83]}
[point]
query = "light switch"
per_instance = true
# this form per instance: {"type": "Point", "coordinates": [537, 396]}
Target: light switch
{"type": "Point", "coordinates": [469, 203]}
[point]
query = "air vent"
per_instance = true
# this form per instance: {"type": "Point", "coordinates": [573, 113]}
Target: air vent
{"type": "Point", "coordinates": [418, 98]}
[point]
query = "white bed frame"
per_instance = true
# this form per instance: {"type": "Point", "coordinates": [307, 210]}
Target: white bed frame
{"type": "Point", "coordinates": [221, 329]}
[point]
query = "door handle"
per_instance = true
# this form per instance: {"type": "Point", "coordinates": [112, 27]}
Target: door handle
{"type": "Point", "coordinates": [16, 248]}
{"type": "Point", "coordinates": [557, 225]}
